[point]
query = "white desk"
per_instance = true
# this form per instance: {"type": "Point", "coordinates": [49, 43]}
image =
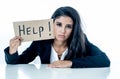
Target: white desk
{"type": "Point", "coordinates": [30, 71]}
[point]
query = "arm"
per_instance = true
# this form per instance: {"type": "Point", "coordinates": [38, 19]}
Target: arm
{"type": "Point", "coordinates": [94, 58]}
{"type": "Point", "coordinates": [27, 56]}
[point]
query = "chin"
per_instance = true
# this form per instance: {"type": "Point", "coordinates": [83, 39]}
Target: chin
{"type": "Point", "coordinates": [60, 39]}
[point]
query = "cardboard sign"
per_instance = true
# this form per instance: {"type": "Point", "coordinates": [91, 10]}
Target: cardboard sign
{"type": "Point", "coordinates": [34, 30]}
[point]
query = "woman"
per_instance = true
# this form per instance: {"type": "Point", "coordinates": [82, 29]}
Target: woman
{"type": "Point", "coordinates": [70, 48]}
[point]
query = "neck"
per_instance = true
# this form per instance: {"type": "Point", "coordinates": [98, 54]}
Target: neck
{"type": "Point", "coordinates": [59, 47]}
{"type": "Point", "coordinates": [59, 44]}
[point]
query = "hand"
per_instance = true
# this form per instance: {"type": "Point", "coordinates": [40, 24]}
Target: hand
{"type": "Point", "coordinates": [14, 43]}
{"type": "Point", "coordinates": [61, 64]}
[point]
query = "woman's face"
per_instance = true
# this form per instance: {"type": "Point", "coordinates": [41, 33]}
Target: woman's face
{"type": "Point", "coordinates": [63, 26]}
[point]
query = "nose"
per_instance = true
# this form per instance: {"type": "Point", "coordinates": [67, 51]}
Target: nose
{"type": "Point", "coordinates": [63, 29]}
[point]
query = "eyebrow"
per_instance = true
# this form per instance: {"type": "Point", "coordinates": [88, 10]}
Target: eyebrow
{"type": "Point", "coordinates": [61, 22]}
{"type": "Point", "coordinates": [58, 22]}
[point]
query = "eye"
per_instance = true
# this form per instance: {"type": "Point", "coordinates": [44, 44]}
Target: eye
{"type": "Point", "coordinates": [69, 26]}
{"type": "Point", "coordinates": [59, 24]}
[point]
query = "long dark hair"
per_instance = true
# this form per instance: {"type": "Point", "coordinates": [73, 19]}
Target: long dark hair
{"type": "Point", "coordinates": [76, 41]}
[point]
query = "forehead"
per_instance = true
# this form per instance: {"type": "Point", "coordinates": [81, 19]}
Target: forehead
{"type": "Point", "coordinates": [66, 19]}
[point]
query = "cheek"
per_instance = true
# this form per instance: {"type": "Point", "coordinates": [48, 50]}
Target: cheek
{"type": "Point", "coordinates": [55, 30]}
{"type": "Point", "coordinates": [69, 32]}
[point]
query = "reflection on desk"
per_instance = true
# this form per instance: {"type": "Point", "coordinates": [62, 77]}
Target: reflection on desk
{"type": "Point", "coordinates": [31, 71]}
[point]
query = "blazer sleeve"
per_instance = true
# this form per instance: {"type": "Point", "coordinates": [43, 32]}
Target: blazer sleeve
{"type": "Point", "coordinates": [94, 58]}
{"type": "Point", "coordinates": [27, 56]}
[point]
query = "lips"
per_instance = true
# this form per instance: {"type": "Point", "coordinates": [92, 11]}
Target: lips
{"type": "Point", "coordinates": [61, 36]}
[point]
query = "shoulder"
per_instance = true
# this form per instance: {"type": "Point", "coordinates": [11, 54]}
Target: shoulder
{"type": "Point", "coordinates": [87, 42]}
{"type": "Point", "coordinates": [92, 48]}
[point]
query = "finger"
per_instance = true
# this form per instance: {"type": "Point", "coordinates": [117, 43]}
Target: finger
{"type": "Point", "coordinates": [20, 38]}
{"type": "Point", "coordinates": [17, 37]}
{"type": "Point", "coordinates": [51, 66]}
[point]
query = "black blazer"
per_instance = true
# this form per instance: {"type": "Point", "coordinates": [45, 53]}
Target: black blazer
{"type": "Point", "coordinates": [94, 57]}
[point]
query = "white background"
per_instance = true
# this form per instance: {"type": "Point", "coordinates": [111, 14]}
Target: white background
{"type": "Point", "coordinates": [101, 20]}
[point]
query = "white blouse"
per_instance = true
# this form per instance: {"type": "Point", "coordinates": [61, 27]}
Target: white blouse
{"type": "Point", "coordinates": [54, 55]}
